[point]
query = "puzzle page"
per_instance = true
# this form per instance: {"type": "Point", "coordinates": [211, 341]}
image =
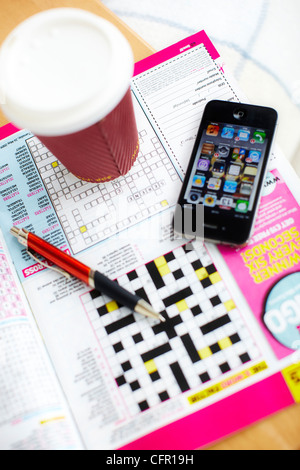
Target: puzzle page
{"type": "Point", "coordinates": [33, 412]}
{"type": "Point", "coordinates": [132, 375]}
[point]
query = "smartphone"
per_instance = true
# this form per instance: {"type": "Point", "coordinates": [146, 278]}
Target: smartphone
{"type": "Point", "coordinates": [225, 176]}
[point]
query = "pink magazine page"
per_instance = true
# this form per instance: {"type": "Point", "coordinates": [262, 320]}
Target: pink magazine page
{"type": "Point", "coordinates": [267, 270]}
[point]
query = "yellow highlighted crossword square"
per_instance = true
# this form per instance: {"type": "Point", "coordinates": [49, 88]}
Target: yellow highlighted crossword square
{"type": "Point", "coordinates": [229, 305]}
{"type": "Point", "coordinates": [150, 366]}
{"type": "Point", "coordinates": [225, 343]}
{"type": "Point", "coordinates": [55, 164]}
{"type": "Point", "coordinates": [163, 270]}
{"type": "Point", "coordinates": [83, 229]}
{"type": "Point", "coordinates": [201, 274]}
{"type": "Point", "coordinates": [112, 306]}
{"type": "Point", "coordinates": [182, 305]}
{"type": "Point", "coordinates": [214, 278]}
{"type": "Point", "coordinates": [160, 261]}
{"type": "Point", "coordinates": [205, 352]}
{"type": "Point", "coordinates": [164, 203]}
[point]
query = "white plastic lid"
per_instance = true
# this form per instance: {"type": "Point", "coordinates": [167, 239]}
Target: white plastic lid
{"type": "Point", "coordinates": [62, 70]}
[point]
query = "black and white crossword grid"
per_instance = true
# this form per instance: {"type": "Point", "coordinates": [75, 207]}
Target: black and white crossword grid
{"type": "Point", "coordinates": [204, 335]}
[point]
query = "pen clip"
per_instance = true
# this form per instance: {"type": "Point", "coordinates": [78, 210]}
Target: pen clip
{"type": "Point", "coordinates": [58, 270]}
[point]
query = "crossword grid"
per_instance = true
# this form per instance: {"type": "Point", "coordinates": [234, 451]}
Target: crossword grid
{"type": "Point", "coordinates": [204, 335]}
{"type": "Point", "coordinates": [90, 213]}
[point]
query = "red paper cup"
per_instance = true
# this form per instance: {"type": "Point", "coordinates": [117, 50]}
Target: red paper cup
{"type": "Point", "coordinates": [103, 151]}
{"type": "Point", "coordinates": [65, 76]}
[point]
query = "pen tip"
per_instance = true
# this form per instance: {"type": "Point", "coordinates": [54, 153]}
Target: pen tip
{"type": "Point", "coordinates": [144, 308]}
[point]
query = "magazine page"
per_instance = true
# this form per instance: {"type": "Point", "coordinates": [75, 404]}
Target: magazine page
{"type": "Point", "coordinates": [132, 382]}
{"type": "Point", "coordinates": [33, 412]}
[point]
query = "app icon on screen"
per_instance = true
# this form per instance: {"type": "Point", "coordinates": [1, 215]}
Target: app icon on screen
{"type": "Point", "coordinates": [230, 186]}
{"type": "Point", "coordinates": [194, 197]}
{"type": "Point", "coordinates": [234, 170]}
{"type": "Point", "coordinates": [223, 151]}
{"type": "Point", "coordinates": [246, 189]}
{"type": "Point", "coordinates": [214, 183]}
{"type": "Point", "coordinates": [203, 165]}
{"type": "Point", "coordinates": [253, 157]}
{"type": "Point", "coordinates": [212, 130]}
{"type": "Point", "coordinates": [210, 200]}
{"type": "Point", "coordinates": [226, 202]}
{"type": "Point", "coordinates": [228, 133]}
{"type": "Point", "coordinates": [242, 206]}
{"type": "Point", "coordinates": [259, 137]}
{"type": "Point", "coordinates": [218, 169]}
{"type": "Point", "coordinates": [239, 154]}
{"type": "Point", "coordinates": [250, 171]}
{"type": "Point", "coordinates": [208, 149]}
{"type": "Point", "coordinates": [244, 135]}
{"type": "Point", "coordinates": [199, 181]}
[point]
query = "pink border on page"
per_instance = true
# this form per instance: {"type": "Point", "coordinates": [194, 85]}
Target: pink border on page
{"type": "Point", "coordinates": [221, 418]}
{"type": "Point", "coordinates": [8, 130]}
{"type": "Point", "coordinates": [175, 50]}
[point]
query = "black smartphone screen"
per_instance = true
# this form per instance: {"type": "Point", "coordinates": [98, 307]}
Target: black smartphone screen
{"type": "Point", "coordinates": [227, 168]}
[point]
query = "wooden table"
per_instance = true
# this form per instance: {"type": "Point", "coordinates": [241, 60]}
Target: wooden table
{"type": "Point", "coordinates": [279, 432]}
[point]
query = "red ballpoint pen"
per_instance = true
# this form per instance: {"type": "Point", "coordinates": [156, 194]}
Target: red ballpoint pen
{"type": "Point", "coordinates": [79, 270]}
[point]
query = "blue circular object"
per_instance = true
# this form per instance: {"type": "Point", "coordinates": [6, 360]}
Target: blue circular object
{"type": "Point", "coordinates": [282, 311]}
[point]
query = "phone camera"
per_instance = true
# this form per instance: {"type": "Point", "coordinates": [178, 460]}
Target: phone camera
{"type": "Point", "coordinates": [239, 114]}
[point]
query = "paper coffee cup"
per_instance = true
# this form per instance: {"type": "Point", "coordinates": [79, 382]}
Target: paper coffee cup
{"type": "Point", "coordinates": [65, 76]}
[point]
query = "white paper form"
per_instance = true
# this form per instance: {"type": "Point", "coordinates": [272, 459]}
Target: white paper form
{"type": "Point", "coordinates": [33, 411]}
{"type": "Point", "coordinates": [175, 92]}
